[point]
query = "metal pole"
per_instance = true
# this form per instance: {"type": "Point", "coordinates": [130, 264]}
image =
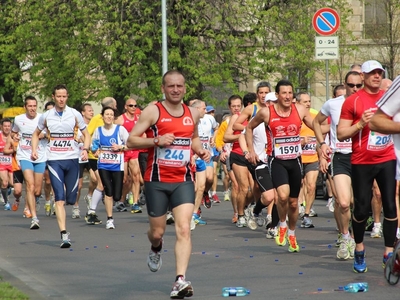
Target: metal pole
{"type": "Point", "coordinates": [164, 36]}
{"type": "Point", "coordinates": [327, 78]}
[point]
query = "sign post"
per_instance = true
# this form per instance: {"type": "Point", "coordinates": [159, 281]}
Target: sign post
{"type": "Point", "coordinates": [326, 22]}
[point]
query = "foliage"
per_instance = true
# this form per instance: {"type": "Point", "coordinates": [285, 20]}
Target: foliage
{"type": "Point", "coordinates": [102, 48]}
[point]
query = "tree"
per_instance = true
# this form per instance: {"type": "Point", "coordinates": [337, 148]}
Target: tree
{"type": "Point", "coordinates": [383, 27]}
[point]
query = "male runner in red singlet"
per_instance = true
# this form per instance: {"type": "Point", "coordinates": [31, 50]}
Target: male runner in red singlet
{"type": "Point", "coordinates": [6, 175]}
{"type": "Point", "coordinates": [171, 134]}
{"type": "Point", "coordinates": [128, 120]}
{"type": "Point", "coordinates": [283, 120]}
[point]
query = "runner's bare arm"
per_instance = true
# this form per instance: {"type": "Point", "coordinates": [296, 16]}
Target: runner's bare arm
{"type": "Point", "coordinates": [383, 123]}
{"type": "Point", "coordinates": [229, 137]}
{"type": "Point", "coordinates": [148, 117]}
{"type": "Point", "coordinates": [244, 115]}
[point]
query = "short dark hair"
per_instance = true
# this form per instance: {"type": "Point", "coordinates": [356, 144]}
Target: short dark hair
{"type": "Point", "coordinates": [249, 98]}
{"type": "Point", "coordinates": [59, 87]}
{"type": "Point", "coordinates": [27, 98]}
{"type": "Point", "coordinates": [354, 73]}
{"type": "Point", "coordinates": [48, 104]}
{"type": "Point", "coordinates": [234, 97]}
{"type": "Point", "coordinates": [338, 87]}
{"type": "Point", "coordinates": [5, 120]}
{"type": "Point", "coordinates": [107, 108]}
{"type": "Point", "coordinates": [283, 82]}
{"type": "Point", "coordinates": [263, 84]}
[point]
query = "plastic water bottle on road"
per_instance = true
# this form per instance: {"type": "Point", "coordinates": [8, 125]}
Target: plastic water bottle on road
{"type": "Point", "coordinates": [356, 287]}
{"type": "Point", "coordinates": [235, 291]}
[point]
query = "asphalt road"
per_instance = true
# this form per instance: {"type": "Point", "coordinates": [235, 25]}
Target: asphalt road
{"type": "Point", "coordinates": [111, 264]}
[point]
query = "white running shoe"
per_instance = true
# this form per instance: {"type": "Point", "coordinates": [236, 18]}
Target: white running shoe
{"type": "Point", "coordinates": [110, 224]}
{"type": "Point", "coordinates": [376, 231]}
{"type": "Point", "coordinates": [154, 261]}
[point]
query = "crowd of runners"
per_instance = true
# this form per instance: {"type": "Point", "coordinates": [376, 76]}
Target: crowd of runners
{"type": "Point", "coordinates": [271, 148]}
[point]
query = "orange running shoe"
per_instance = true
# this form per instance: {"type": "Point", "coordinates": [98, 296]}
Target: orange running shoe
{"type": "Point", "coordinates": [234, 218]}
{"type": "Point", "coordinates": [15, 206]}
{"type": "Point", "coordinates": [280, 239]}
{"type": "Point", "coordinates": [293, 246]}
{"type": "Point", "coordinates": [27, 213]}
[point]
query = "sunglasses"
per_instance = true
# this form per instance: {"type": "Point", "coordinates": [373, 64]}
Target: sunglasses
{"type": "Point", "coordinates": [132, 105]}
{"type": "Point", "coordinates": [351, 85]}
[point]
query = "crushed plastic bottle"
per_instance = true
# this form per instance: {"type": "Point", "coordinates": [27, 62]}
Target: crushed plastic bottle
{"type": "Point", "coordinates": [356, 287]}
{"type": "Point", "coordinates": [235, 291]}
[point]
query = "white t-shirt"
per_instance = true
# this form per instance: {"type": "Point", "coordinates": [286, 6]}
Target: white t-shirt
{"type": "Point", "coordinates": [332, 108]}
{"type": "Point", "coordinates": [62, 131]}
{"type": "Point", "coordinates": [390, 105]}
{"type": "Point", "coordinates": [260, 142]}
{"type": "Point", "coordinates": [25, 127]}
{"type": "Point", "coordinates": [205, 128]}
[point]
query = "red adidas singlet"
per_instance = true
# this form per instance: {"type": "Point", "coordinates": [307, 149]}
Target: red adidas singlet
{"type": "Point", "coordinates": [171, 164]}
{"type": "Point", "coordinates": [285, 133]}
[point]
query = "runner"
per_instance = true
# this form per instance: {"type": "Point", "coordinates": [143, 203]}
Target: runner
{"type": "Point", "coordinates": [6, 175]}
{"type": "Point", "coordinates": [171, 133]}
{"type": "Point", "coordinates": [373, 157]}
{"type": "Point", "coordinates": [283, 120]}
{"type": "Point", "coordinates": [62, 153]}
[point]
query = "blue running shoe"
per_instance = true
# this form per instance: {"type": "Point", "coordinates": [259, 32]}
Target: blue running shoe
{"type": "Point", "coordinates": [360, 265]}
{"type": "Point", "coordinates": [7, 206]}
{"type": "Point", "coordinates": [198, 221]}
{"type": "Point", "coordinates": [135, 209]}
{"type": "Point", "coordinates": [386, 257]}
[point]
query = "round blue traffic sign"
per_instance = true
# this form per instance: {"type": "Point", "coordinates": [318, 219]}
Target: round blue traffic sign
{"type": "Point", "coordinates": [326, 21]}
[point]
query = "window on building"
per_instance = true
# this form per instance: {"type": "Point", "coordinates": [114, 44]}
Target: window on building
{"type": "Point", "coordinates": [375, 19]}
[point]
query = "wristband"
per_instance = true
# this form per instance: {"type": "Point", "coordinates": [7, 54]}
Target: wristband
{"type": "Point", "coordinates": [320, 144]}
{"type": "Point", "coordinates": [245, 152]}
{"type": "Point", "coordinates": [86, 149]}
{"type": "Point", "coordinates": [359, 126]}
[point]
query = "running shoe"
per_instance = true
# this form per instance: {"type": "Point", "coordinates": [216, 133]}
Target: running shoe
{"type": "Point", "coordinates": [344, 250]}
{"type": "Point", "coordinates": [360, 265]}
{"type": "Point", "coordinates": [35, 223]}
{"type": "Point", "coordinates": [385, 258]}
{"type": "Point", "coordinates": [293, 246]}
{"type": "Point", "coordinates": [154, 261]}
{"type": "Point", "coordinates": [352, 247]}
{"type": "Point", "coordinates": [88, 199]}
{"type": "Point", "coordinates": [207, 200]}
{"type": "Point", "coordinates": [260, 220]}
{"type": "Point", "coordinates": [268, 220]}
{"type": "Point", "coordinates": [376, 232]}
{"type": "Point", "coordinates": [47, 209]}
{"type": "Point", "coordinates": [130, 198]}
{"type": "Point", "coordinates": [241, 222]}
{"type": "Point", "coordinates": [136, 209]}
{"type": "Point", "coordinates": [339, 240]}
{"type": "Point", "coordinates": [75, 213]}
{"type": "Point", "coordinates": [302, 211]}
{"type": "Point", "coordinates": [235, 218]}
{"type": "Point", "coordinates": [119, 206]}
{"type": "Point", "coordinates": [331, 204]}
{"type": "Point", "coordinates": [392, 267]}
{"type": "Point", "coordinates": [142, 198]}
{"type": "Point", "coordinates": [7, 206]}
{"type": "Point", "coordinates": [65, 241]}
{"type": "Point", "coordinates": [215, 198]}
{"type": "Point", "coordinates": [27, 213]}
{"type": "Point", "coordinates": [170, 218]}
{"type": "Point", "coordinates": [110, 224]}
{"type": "Point", "coordinates": [251, 222]}
{"type": "Point", "coordinates": [181, 289]}
{"type": "Point", "coordinates": [307, 223]}
{"type": "Point", "coordinates": [198, 220]}
{"type": "Point", "coordinates": [226, 196]}
{"type": "Point", "coordinates": [92, 219]}
{"type": "Point", "coordinates": [280, 239]}
{"type": "Point", "coordinates": [37, 204]}
{"type": "Point", "coordinates": [15, 205]}
{"type": "Point", "coordinates": [271, 233]}
{"type": "Point", "coordinates": [313, 213]}
{"type": "Point", "coordinates": [192, 224]}
{"type": "Point", "coordinates": [369, 224]}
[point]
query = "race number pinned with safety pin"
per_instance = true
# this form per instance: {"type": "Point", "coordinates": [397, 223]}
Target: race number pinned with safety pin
{"type": "Point", "coordinates": [287, 147]}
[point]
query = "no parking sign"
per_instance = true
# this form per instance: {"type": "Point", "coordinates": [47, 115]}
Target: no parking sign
{"type": "Point", "coordinates": [326, 21]}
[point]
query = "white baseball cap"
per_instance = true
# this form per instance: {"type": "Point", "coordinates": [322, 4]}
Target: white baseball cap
{"type": "Point", "coordinates": [270, 97]}
{"type": "Point", "coordinates": [371, 65]}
